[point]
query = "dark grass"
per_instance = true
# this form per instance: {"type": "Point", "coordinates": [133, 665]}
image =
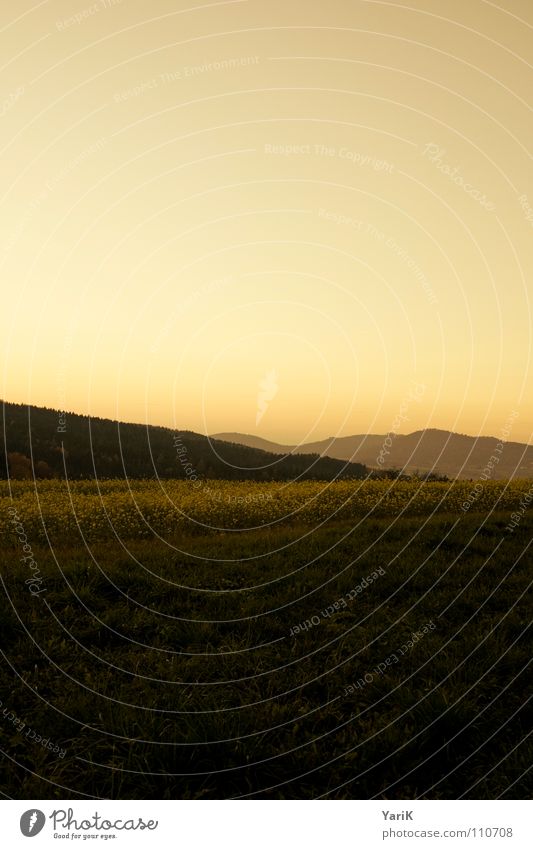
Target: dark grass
{"type": "Point", "coordinates": [181, 679]}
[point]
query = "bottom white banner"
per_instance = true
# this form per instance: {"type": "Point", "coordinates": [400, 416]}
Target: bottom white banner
{"type": "Point", "coordinates": [269, 823]}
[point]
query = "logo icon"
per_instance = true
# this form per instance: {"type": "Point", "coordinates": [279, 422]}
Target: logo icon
{"type": "Point", "coordinates": [32, 822]}
{"type": "Point", "coordinates": [268, 389]}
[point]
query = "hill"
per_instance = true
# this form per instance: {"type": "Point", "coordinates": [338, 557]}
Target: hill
{"type": "Point", "coordinates": [444, 452]}
{"type": "Point", "coordinates": [48, 443]}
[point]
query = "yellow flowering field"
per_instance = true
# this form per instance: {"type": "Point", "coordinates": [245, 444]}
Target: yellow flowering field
{"type": "Point", "coordinates": [141, 508]}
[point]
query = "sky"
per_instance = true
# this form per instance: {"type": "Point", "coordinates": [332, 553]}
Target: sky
{"type": "Point", "coordinates": [287, 219]}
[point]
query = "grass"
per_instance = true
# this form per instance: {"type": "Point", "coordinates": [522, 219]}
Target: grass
{"type": "Point", "coordinates": [167, 668]}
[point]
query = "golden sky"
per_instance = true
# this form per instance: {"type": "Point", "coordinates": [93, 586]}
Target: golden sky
{"type": "Point", "coordinates": [269, 217]}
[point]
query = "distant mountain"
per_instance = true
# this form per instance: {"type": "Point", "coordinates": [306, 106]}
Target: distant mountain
{"type": "Point", "coordinates": [256, 442]}
{"type": "Point", "coordinates": [37, 441]}
{"type": "Point", "coordinates": [441, 451]}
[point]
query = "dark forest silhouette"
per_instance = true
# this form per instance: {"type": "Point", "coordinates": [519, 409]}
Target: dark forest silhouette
{"type": "Point", "coordinates": [44, 443]}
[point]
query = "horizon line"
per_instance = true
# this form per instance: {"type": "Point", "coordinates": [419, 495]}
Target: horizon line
{"type": "Point", "coordinates": [255, 436]}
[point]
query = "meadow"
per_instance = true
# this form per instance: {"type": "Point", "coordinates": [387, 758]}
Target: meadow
{"type": "Point", "coordinates": [365, 639]}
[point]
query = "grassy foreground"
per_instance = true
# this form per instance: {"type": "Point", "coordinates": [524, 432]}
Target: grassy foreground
{"type": "Point", "coordinates": [369, 641]}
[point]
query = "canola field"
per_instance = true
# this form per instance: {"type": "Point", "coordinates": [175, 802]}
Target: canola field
{"type": "Point", "coordinates": [144, 508]}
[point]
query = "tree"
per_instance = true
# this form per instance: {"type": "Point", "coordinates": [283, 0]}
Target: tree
{"type": "Point", "coordinates": [43, 470]}
{"type": "Point", "coordinates": [19, 466]}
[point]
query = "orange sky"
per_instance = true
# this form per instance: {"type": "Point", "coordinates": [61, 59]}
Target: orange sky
{"type": "Point", "coordinates": [274, 218]}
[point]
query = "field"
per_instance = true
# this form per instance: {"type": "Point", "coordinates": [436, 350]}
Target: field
{"type": "Point", "coordinates": [223, 640]}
